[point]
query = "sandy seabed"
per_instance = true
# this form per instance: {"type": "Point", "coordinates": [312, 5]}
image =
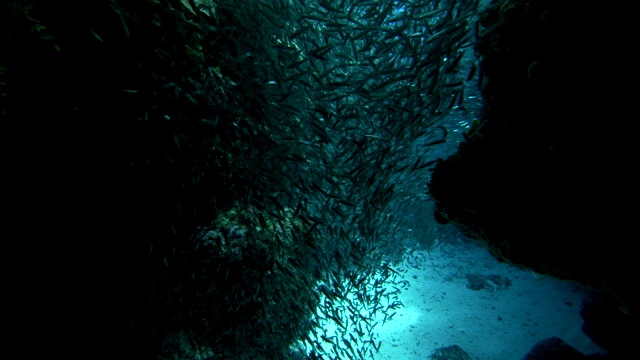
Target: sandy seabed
{"type": "Point", "coordinates": [458, 294]}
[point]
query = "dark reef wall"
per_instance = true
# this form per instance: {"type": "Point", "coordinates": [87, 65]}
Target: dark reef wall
{"type": "Point", "coordinates": [545, 176]}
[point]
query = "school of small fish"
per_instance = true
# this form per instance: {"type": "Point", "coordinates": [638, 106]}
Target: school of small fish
{"type": "Point", "coordinates": [318, 113]}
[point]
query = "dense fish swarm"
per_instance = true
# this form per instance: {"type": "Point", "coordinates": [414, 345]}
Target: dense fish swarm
{"type": "Point", "coordinates": [266, 142]}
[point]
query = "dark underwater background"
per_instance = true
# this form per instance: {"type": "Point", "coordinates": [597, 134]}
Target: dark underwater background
{"type": "Point", "coordinates": [322, 179]}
